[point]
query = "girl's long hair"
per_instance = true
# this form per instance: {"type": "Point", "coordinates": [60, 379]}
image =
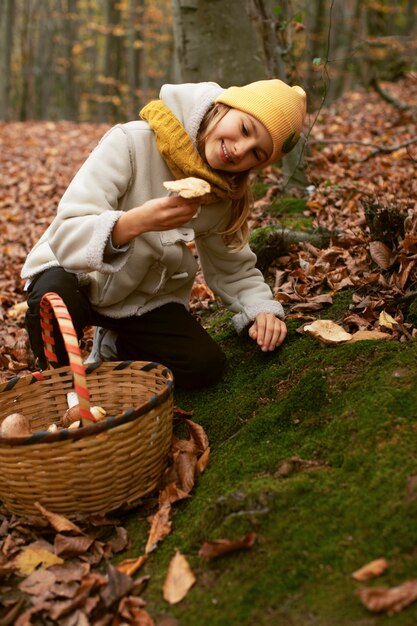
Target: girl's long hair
{"type": "Point", "coordinates": [237, 232]}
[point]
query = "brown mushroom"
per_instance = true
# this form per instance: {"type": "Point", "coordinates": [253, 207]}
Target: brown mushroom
{"type": "Point", "coordinates": [71, 415]}
{"type": "Point", "coordinates": [15, 425]}
{"type": "Point", "coordinates": [190, 187]}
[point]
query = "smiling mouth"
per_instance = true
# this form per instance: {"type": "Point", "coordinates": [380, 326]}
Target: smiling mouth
{"type": "Point", "coordinates": [226, 154]}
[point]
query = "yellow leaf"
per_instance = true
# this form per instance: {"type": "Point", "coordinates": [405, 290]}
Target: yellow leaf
{"type": "Point", "coordinates": [179, 579]}
{"type": "Point", "coordinates": [31, 559]}
{"type": "Point", "coordinates": [386, 320]}
{"type": "Point", "coordinates": [18, 309]}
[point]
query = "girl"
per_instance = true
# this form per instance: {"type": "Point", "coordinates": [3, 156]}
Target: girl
{"type": "Point", "coordinates": [117, 251]}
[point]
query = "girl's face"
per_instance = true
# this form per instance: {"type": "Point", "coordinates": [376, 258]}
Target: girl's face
{"type": "Point", "coordinates": [238, 143]}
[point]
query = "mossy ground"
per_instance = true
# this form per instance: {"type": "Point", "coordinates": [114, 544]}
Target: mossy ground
{"type": "Point", "coordinates": [352, 409]}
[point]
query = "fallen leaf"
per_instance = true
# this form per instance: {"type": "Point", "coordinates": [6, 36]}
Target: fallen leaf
{"type": "Point", "coordinates": [179, 579]}
{"type": "Point", "coordinates": [327, 331]}
{"type": "Point", "coordinates": [185, 466]}
{"type": "Point", "coordinates": [392, 600]}
{"type": "Point", "coordinates": [18, 309]}
{"type": "Point", "coordinates": [171, 493]}
{"type": "Point", "coordinates": [118, 586]}
{"type": "Point", "coordinates": [203, 461]}
{"type": "Point", "coordinates": [38, 582]}
{"type": "Point", "coordinates": [72, 546]}
{"type": "Point", "coordinates": [219, 547]}
{"type": "Point", "coordinates": [387, 320]}
{"type": "Point", "coordinates": [197, 434]}
{"type": "Point", "coordinates": [120, 542]}
{"type": "Point", "coordinates": [364, 335]}
{"type": "Point", "coordinates": [30, 559]}
{"type": "Point", "coordinates": [131, 566]}
{"type": "Point", "coordinates": [132, 612]}
{"type": "Point", "coordinates": [160, 527]}
{"type": "Point", "coordinates": [370, 570]}
{"type": "Point", "coordinates": [59, 522]}
{"type": "Point", "coordinates": [381, 254]}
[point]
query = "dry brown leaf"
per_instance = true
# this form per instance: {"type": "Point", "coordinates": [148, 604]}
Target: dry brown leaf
{"type": "Point", "coordinates": [371, 570]}
{"type": "Point", "coordinates": [410, 243]}
{"type": "Point", "coordinates": [381, 254]}
{"type": "Point", "coordinates": [364, 335]}
{"type": "Point", "coordinates": [118, 586]}
{"type": "Point", "coordinates": [72, 546]}
{"type": "Point", "coordinates": [198, 434]}
{"type": "Point", "coordinates": [131, 611]}
{"type": "Point", "coordinates": [38, 582]}
{"type": "Point", "coordinates": [131, 566]}
{"type": "Point", "coordinates": [171, 493]}
{"type": "Point", "coordinates": [179, 579]}
{"type": "Point", "coordinates": [388, 600]}
{"type": "Point", "coordinates": [160, 527]}
{"type": "Point", "coordinates": [219, 547]}
{"type": "Point", "coordinates": [327, 331]}
{"type": "Point", "coordinates": [203, 461]}
{"type": "Point", "coordinates": [185, 466]}
{"type": "Point", "coordinates": [59, 522]}
{"type": "Point", "coordinates": [190, 187]}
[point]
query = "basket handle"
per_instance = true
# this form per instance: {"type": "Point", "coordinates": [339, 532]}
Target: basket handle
{"type": "Point", "coordinates": [52, 304]}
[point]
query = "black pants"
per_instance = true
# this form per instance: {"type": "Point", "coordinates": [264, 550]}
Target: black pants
{"type": "Point", "coordinates": [169, 334]}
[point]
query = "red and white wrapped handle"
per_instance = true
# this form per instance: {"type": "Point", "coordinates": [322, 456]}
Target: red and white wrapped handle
{"type": "Point", "coordinates": [52, 304]}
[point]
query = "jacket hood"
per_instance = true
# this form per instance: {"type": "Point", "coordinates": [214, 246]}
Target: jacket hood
{"type": "Point", "coordinates": [190, 102]}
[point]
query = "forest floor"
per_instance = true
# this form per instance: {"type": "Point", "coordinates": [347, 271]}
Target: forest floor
{"type": "Point", "coordinates": [312, 468]}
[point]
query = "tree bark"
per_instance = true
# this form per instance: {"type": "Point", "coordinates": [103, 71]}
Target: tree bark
{"type": "Point", "coordinates": [6, 44]}
{"type": "Point", "coordinates": [215, 42]}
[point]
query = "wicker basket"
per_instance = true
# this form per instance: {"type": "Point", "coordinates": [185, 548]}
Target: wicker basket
{"type": "Point", "coordinates": [97, 468]}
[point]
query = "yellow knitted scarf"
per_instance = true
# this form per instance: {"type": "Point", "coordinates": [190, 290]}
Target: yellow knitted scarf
{"type": "Point", "coordinates": [179, 152]}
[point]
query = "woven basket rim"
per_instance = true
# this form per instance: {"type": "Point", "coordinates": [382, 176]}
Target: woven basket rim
{"type": "Point", "coordinates": [112, 421]}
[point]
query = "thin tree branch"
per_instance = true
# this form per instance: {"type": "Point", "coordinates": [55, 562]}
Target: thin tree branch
{"type": "Point", "coordinates": [400, 106]}
{"type": "Point", "coordinates": [376, 148]}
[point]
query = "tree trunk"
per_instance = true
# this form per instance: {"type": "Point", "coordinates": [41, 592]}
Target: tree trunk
{"type": "Point", "coordinates": [215, 42]}
{"type": "Point", "coordinates": [271, 35]}
{"type": "Point", "coordinates": [275, 41]}
{"type": "Point", "coordinates": [111, 63]}
{"type": "Point", "coordinates": [71, 89]}
{"type": "Point", "coordinates": [6, 43]}
{"type": "Point", "coordinates": [316, 19]}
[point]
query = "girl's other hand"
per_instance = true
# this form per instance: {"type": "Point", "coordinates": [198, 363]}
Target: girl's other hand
{"type": "Point", "coordinates": [268, 331]}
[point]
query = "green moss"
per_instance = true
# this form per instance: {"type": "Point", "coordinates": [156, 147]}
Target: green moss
{"type": "Point", "coordinates": [287, 206]}
{"type": "Point", "coordinates": [291, 213]}
{"type": "Point", "coordinates": [348, 414]}
{"type": "Point", "coordinates": [259, 189]}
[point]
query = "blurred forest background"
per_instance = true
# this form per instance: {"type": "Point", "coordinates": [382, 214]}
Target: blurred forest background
{"type": "Point", "coordinates": [101, 60]}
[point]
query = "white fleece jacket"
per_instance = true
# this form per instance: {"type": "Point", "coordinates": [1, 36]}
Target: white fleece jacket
{"type": "Point", "coordinates": [124, 171]}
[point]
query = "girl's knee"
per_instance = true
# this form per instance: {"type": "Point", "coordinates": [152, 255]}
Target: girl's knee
{"type": "Point", "coordinates": [203, 369]}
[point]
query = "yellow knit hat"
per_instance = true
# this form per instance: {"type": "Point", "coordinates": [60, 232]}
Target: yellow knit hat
{"type": "Point", "coordinates": [279, 107]}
